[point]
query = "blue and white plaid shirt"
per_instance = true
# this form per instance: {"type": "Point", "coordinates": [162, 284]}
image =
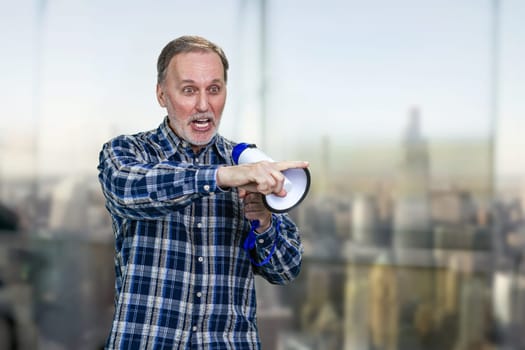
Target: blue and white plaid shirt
{"type": "Point", "coordinates": [183, 279]}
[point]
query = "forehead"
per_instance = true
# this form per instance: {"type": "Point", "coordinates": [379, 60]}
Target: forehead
{"type": "Point", "coordinates": [196, 66]}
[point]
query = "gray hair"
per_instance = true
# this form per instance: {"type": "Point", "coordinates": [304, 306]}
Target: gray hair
{"type": "Point", "coordinates": [187, 43]}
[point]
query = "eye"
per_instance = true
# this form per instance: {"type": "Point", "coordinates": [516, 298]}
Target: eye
{"type": "Point", "coordinates": [188, 90]}
{"type": "Point", "coordinates": [214, 89]}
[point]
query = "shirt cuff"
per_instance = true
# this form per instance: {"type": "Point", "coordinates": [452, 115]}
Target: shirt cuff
{"type": "Point", "coordinates": [266, 239]}
{"type": "Point", "coordinates": [205, 180]}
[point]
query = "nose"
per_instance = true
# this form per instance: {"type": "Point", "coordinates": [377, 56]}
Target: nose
{"type": "Point", "coordinates": [202, 103]}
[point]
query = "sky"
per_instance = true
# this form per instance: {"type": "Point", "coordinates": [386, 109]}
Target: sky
{"type": "Point", "coordinates": [348, 70]}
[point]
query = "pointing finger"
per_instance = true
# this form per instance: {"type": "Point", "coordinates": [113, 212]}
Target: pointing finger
{"type": "Point", "coordinates": [292, 164]}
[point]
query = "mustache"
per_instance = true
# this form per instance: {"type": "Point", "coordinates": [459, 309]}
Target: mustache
{"type": "Point", "coordinates": [197, 116]}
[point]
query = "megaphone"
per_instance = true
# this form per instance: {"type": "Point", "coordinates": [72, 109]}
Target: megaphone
{"type": "Point", "coordinates": [296, 180]}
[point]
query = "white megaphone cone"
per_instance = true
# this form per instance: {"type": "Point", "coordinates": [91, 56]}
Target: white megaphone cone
{"type": "Point", "coordinates": [296, 182]}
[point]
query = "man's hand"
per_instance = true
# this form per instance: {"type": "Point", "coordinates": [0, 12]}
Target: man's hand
{"type": "Point", "coordinates": [255, 180]}
{"type": "Point", "coordinates": [254, 209]}
{"type": "Point", "coordinates": [261, 177]}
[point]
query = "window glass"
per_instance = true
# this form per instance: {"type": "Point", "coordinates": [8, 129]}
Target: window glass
{"type": "Point", "coordinates": [410, 113]}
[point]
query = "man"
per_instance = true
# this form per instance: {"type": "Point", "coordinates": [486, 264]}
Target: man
{"type": "Point", "coordinates": [182, 212]}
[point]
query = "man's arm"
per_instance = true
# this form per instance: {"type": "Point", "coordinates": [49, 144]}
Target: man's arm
{"type": "Point", "coordinates": [283, 238]}
{"type": "Point", "coordinates": [274, 246]}
{"type": "Point", "coordinates": [261, 177]}
{"type": "Point", "coordinates": [138, 189]}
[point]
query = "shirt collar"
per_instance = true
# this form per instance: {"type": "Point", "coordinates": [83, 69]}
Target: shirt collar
{"type": "Point", "coordinates": [171, 142]}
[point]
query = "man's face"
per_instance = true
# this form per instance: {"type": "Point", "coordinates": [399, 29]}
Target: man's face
{"type": "Point", "coordinates": [194, 93]}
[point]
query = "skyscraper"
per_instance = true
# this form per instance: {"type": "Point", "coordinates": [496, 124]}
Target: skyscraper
{"type": "Point", "coordinates": [411, 212]}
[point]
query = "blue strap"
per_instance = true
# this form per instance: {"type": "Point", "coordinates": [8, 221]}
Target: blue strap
{"type": "Point", "coordinates": [249, 242]}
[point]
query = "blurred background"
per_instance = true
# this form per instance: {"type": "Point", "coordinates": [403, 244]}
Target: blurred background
{"type": "Point", "coordinates": [412, 114]}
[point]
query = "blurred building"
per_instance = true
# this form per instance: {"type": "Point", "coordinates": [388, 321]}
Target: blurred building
{"type": "Point", "coordinates": [412, 206]}
{"type": "Point", "coordinates": [18, 329]}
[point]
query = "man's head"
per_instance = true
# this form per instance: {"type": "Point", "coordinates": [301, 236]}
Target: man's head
{"type": "Point", "coordinates": [191, 85]}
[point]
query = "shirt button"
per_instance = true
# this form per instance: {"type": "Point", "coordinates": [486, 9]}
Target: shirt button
{"type": "Point", "coordinates": [199, 294]}
{"type": "Point", "coordinates": [194, 328]}
{"type": "Point", "coordinates": [206, 188]}
{"type": "Point", "coordinates": [261, 241]}
{"type": "Point", "coordinates": [199, 225]}
{"type": "Point", "coordinates": [201, 259]}
{"type": "Point", "coordinates": [196, 160]}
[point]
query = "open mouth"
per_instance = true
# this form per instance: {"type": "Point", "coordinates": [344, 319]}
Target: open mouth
{"type": "Point", "coordinates": [202, 124]}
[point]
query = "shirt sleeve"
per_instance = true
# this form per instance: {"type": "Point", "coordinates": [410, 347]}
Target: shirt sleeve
{"type": "Point", "coordinates": [137, 189]}
{"type": "Point", "coordinates": [285, 262]}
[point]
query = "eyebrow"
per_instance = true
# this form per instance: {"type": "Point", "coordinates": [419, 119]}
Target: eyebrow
{"type": "Point", "coordinates": [191, 81]}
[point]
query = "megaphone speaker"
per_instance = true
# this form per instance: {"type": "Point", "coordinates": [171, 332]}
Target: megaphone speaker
{"type": "Point", "coordinates": [296, 182]}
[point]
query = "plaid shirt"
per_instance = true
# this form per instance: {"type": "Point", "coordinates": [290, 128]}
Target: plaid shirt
{"type": "Point", "coordinates": [183, 280]}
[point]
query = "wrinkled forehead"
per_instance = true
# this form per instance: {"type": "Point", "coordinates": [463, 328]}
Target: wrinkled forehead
{"type": "Point", "coordinates": [201, 65]}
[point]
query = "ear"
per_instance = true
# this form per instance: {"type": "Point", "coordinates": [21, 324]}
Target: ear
{"type": "Point", "coordinates": [160, 96]}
